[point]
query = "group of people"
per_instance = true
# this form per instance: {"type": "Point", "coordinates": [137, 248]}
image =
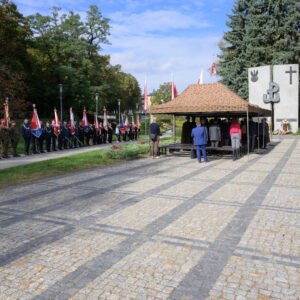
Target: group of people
{"type": "Point", "coordinates": [9, 135]}
{"type": "Point", "coordinates": [217, 132]}
{"type": "Point", "coordinates": [60, 137]}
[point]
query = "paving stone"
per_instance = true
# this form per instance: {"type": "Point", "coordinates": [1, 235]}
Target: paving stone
{"type": "Point", "coordinates": [157, 229]}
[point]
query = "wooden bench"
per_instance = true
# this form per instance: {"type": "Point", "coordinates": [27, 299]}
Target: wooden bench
{"type": "Point", "coordinates": [168, 149]}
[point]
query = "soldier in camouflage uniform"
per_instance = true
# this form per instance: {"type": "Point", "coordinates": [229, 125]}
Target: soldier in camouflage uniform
{"type": "Point", "coordinates": [4, 136]}
{"type": "Point", "coordinates": [14, 137]}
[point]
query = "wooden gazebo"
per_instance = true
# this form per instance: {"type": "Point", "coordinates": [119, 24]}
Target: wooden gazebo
{"type": "Point", "coordinates": [210, 100]}
{"type": "Point", "coordinates": [213, 99]}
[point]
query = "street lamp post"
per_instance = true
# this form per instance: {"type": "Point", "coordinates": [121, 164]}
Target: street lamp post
{"type": "Point", "coordinates": [97, 95]}
{"type": "Point", "coordinates": [60, 99]}
{"type": "Point", "coordinates": [119, 103]}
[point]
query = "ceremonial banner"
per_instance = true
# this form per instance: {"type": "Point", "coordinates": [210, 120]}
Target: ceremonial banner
{"type": "Point", "coordinates": [35, 125]}
{"type": "Point", "coordinates": [84, 122]}
{"type": "Point", "coordinates": [96, 123]}
{"type": "Point", "coordinates": [213, 69]}
{"type": "Point", "coordinates": [200, 80]}
{"type": "Point", "coordinates": [6, 114]}
{"type": "Point", "coordinates": [72, 122]}
{"type": "Point", "coordinates": [126, 124]}
{"type": "Point", "coordinates": [55, 123]}
{"type": "Point", "coordinates": [105, 122]}
{"type": "Point", "coordinates": [174, 91]}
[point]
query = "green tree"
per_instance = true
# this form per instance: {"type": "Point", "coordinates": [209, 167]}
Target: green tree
{"type": "Point", "coordinates": [65, 50]}
{"type": "Point", "coordinates": [162, 94]}
{"type": "Point", "coordinates": [14, 35]}
{"type": "Point", "coordinates": [261, 32]}
{"type": "Point", "coordinates": [129, 92]}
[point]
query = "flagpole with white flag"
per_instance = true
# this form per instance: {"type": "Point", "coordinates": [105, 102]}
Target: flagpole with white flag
{"type": "Point", "coordinates": [200, 80]}
{"type": "Point", "coordinates": [72, 122]}
{"type": "Point", "coordinates": [213, 67]}
{"type": "Point", "coordinates": [145, 96]}
{"type": "Point", "coordinates": [55, 123]}
{"type": "Point", "coordinates": [104, 118]}
{"type": "Point", "coordinates": [172, 87]}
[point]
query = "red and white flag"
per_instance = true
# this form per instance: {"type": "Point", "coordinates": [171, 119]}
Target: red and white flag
{"type": "Point", "coordinates": [84, 121]}
{"type": "Point", "coordinates": [72, 122]}
{"type": "Point", "coordinates": [105, 122]}
{"type": "Point", "coordinates": [145, 97]}
{"type": "Point", "coordinates": [6, 114]}
{"type": "Point", "coordinates": [35, 124]}
{"type": "Point", "coordinates": [96, 123]}
{"type": "Point", "coordinates": [174, 91]}
{"type": "Point", "coordinates": [55, 123]}
{"type": "Point", "coordinates": [200, 80]}
{"type": "Point", "coordinates": [126, 124]}
{"type": "Point", "coordinates": [213, 69]}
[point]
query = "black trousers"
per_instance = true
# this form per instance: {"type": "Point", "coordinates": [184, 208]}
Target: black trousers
{"type": "Point", "coordinates": [33, 144]}
{"type": "Point", "coordinates": [53, 142]}
{"type": "Point", "coordinates": [26, 144]}
{"type": "Point", "coordinates": [48, 143]}
{"type": "Point", "coordinates": [60, 143]}
{"type": "Point", "coordinates": [40, 141]}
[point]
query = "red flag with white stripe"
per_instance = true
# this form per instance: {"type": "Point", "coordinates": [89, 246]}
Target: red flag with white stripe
{"type": "Point", "coordinates": [84, 121]}
{"type": "Point", "coordinates": [96, 123]}
{"type": "Point", "coordinates": [213, 69]}
{"type": "Point", "coordinates": [55, 123]}
{"type": "Point", "coordinates": [200, 80]}
{"type": "Point", "coordinates": [174, 91]}
{"type": "Point", "coordinates": [72, 122]}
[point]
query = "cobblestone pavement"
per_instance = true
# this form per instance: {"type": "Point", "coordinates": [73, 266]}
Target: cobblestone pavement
{"type": "Point", "coordinates": [157, 229]}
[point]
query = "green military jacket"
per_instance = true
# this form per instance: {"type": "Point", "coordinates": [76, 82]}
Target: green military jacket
{"type": "Point", "coordinates": [14, 133]}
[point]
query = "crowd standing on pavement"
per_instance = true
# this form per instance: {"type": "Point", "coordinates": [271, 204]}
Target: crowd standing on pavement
{"type": "Point", "coordinates": [226, 132]}
{"type": "Point", "coordinates": [60, 137]}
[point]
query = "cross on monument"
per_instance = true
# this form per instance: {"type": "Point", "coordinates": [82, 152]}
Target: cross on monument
{"type": "Point", "coordinates": [291, 72]}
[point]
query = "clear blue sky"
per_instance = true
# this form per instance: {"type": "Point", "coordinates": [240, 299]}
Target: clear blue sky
{"type": "Point", "coordinates": [155, 38]}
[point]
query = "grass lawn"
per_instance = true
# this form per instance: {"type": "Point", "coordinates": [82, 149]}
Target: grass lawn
{"type": "Point", "coordinates": [75, 162]}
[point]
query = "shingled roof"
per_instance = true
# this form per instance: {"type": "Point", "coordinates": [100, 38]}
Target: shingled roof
{"type": "Point", "coordinates": [208, 99]}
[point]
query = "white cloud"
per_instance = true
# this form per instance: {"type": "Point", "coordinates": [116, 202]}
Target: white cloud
{"type": "Point", "coordinates": [154, 21]}
{"type": "Point", "coordinates": [163, 38]}
{"type": "Point", "coordinates": [158, 43]}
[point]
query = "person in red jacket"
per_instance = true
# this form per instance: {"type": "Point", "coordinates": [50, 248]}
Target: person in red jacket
{"type": "Point", "coordinates": [236, 136]}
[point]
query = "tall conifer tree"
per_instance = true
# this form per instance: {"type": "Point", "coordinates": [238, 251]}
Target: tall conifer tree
{"type": "Point", "coordinates": [261, 32]}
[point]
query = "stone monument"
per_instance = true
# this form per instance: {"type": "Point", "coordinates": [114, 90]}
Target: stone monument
{"type": "Point", "coordinates": [276, 88]}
